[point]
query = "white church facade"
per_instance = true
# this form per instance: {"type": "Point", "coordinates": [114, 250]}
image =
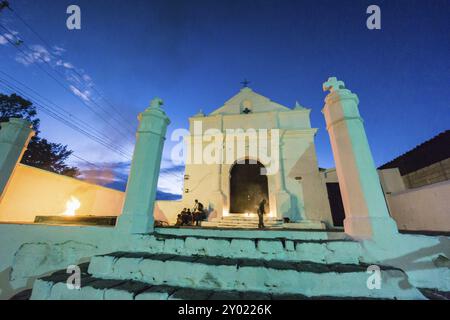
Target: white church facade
{"type": "Point", "coordinates": [260, 150]}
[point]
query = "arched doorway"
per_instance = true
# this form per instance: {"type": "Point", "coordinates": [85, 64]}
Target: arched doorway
{"type": "Point", "coordinates": [247, 187]}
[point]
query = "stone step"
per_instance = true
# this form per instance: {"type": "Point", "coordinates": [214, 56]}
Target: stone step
{"type": "Point", "coordinates": [250, 223]}
{"type": "Point", "coordinates": [291, 234]}
{"type": "Point", "coordinates": [54, 288]}
{"type": "Point", "coordinates": [246, 218]}
{"type": "Point", "coordinates": [241, 222]}
{"type": "Point", "coordinates": [272, 277]}
{"type": "Point", "coordinates": [320, 251]}
{"type": "Point", "coordinates": [239, 225]}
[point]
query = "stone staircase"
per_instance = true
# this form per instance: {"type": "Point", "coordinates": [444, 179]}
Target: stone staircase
{"type": "Point", "coordinates": [242, 221]}
{"type": "Point", "coordinates": [173, 266]}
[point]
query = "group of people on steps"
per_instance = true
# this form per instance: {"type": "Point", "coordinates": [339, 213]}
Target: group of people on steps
{"type": "Point", "coordinates": [198, 213]}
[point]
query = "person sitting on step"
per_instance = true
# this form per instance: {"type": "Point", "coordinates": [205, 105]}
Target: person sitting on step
{"type": "Point", "coordinates": [188, 218]}
{"type": "Point", "coordinates": [180, 218]}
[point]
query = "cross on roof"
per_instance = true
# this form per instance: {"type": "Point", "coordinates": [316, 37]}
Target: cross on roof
{"type": "Point", "coordinates": [333, 84]}
{"type": "Point", "coordinates": [245, 83]}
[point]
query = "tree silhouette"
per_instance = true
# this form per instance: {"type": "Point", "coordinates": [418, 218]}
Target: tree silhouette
{"type": "Point", "coordinates": [40, 153]}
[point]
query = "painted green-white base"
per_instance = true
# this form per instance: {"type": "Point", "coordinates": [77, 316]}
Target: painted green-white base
{"type": "Point", "coordinates": [313, 260]}
{"type": "Point", "coordinates": [202, 263]}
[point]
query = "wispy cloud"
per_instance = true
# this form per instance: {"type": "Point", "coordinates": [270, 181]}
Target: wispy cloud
{"type": "Point", "coordinates": [3, 40]}
{"type": "Point", "coordinates": [37, 54]}
{"type": "Point", "coordinates": [115, 175]}
{"type": "Point", "coordinates": [85, 95]}
{"type": "Point", "coordinates": [4, 37]}
{"type": "Point", "coordinates": [80, 81]}
{"type": "Point", "coordinates": [66, 65]}
{"type": "Point", "coordinates": [110, 174]}
{"type": "Point", "coordinates": [58, 51]}
{"type": "Point", "coordinates": [171, 177]}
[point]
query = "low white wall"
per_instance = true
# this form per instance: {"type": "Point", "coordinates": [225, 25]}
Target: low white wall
{"type": "Point", "coordinates": [426, 208]}
{"type": "Point", "coordinates": [32, 191]}
{"type": "Point", "coordinates": [168, 210]}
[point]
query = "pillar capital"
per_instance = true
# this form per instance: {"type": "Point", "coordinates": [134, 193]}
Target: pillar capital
{"type": "Point", "coordinates": [340, 95]}
{"type": "Point", "coordinates": [341, 106]}
{"type": "Point", "coordinates": [337, 91]}
{"type": "Point", "coordinates": [15, 131]}
{"type": "Point", "coordinates": [153, 119]}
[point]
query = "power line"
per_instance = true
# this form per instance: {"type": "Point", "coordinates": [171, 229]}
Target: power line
{"type": "Point", "coordinates": [86, 161]}
{"type": "Point", "coordinates": [107, 102]}
{"type": "Point", "coordinates": [91, 137]}
{"type": "Point", "coordinates": [61, 114]}
{"type": "Point", "coordinates": [62, 76]}
{"type": "Point", "coordinates": [74, 127]}
{"type": "Point", "coordinates": [74, 70]}
{"type": "Point", "coordinates": [54, 114]}
{"type": "Point", "coordinates": [25, 23]}
{"type": "Point", "coordinates": [83, 123]}
{"type": "Point", "coordinates": [166, 171]}
{"type": "Point", "coordinates": [17, 46]}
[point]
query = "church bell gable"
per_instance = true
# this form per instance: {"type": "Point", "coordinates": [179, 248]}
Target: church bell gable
{"type": "Point", "coordinates": [247, 101]}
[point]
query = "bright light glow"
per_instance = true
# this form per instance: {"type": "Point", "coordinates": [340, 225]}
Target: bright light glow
{"type": "Point", "coordinates": [72, 205]}
{"type": "Point", "coordinates": [225, 213]}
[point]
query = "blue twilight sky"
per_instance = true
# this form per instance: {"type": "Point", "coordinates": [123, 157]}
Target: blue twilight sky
{"type": "Point", "coordinates": [194, 54]}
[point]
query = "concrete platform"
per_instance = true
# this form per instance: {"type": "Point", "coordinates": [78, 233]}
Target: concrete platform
{"type": "Point", "coordinates": [77, 220]}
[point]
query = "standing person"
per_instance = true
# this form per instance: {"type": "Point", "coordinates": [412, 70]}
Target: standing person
{"type": "Point", "coordinates": [199, 212]}
{"type": "Point", "coordinates": [261, 212]}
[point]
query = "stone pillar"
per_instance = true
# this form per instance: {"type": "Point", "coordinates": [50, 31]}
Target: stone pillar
{"type": "Point", "coordinates": [14, 138]}
{"type": "Point", "coordinates": [366, 212]}
{"type": "Point", "coordinates": [137, 213]}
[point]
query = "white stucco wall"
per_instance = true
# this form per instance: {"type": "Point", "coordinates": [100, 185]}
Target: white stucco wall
{"type": "Point", "coordinates": [426, 208]}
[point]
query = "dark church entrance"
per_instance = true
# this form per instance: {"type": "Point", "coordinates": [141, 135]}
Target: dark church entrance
{"type": "Point", "coordinates": [247, 187]}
